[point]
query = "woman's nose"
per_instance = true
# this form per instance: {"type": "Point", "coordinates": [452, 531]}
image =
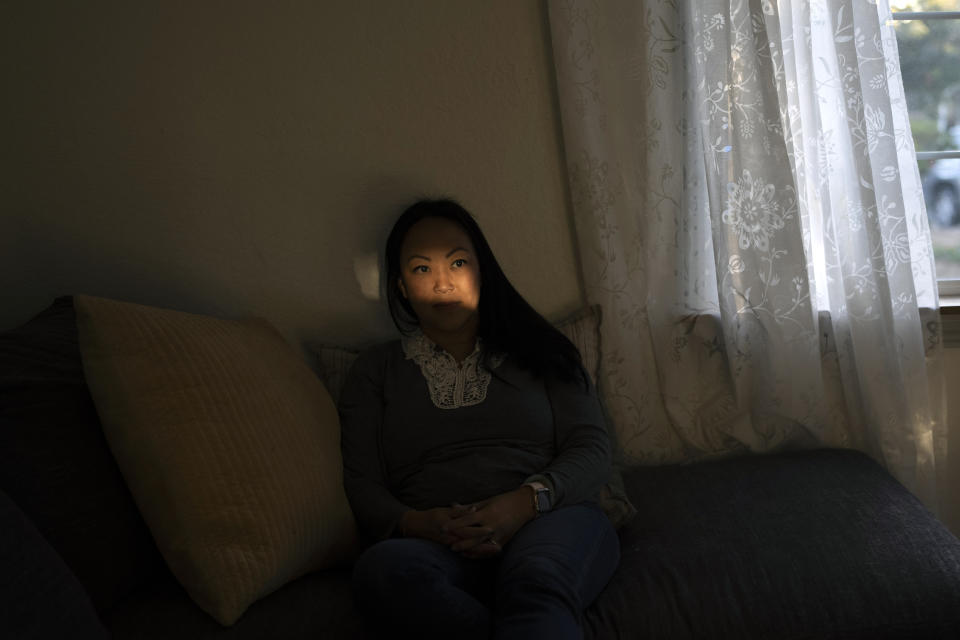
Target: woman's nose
{"type": "Point", "coordinates": [442, 284]}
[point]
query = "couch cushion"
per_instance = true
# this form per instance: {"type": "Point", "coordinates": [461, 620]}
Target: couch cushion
{"type": "Point", "coordinates": [55, 463]}
{"type": "Point", "coordinates": [41, 597]}
{"type": "Point", "coordinates": [228, 442]}
{"type": "Point", "coordinates": [821, 544]}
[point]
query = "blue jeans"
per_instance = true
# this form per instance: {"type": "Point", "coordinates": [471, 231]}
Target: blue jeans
{"type": "Point", "coordinates": [552, 569]}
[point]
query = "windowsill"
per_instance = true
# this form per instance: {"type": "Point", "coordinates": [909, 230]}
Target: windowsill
{"type": "Point", "coordinates": [949, 292]}
{"type": "Point", "coordinates": [950, 312]}
{"type": "Point", "coordinates": [950, 305]}
{"type": "Point", "coordinates": [950, 320]}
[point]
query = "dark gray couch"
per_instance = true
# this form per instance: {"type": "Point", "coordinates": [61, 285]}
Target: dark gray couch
{"type": "Point", "coordinates": [816, 544]}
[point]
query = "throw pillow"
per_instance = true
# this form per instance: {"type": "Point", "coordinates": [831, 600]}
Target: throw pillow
{"type": "Point", "coordinates": [333, 363]}
{"type": "Point", "coordinates": [228, 442]}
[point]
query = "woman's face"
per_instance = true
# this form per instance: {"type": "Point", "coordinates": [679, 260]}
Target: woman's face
{"type": "Point", "coordinates": [440, 276]}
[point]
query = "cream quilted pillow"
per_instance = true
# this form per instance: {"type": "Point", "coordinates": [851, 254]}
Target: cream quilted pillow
{"type": "Point", "coordinates": [228, 443]}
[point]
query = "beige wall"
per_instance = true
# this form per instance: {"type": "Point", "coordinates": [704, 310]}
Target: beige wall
{"type": "Point", "coordinates": [239, 157]}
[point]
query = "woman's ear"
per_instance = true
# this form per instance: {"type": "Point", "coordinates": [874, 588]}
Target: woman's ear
{"type": "Point", "coordinates": [403, 289]}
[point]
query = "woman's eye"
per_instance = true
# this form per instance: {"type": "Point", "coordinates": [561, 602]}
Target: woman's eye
{"type": "Point", "coordinates": [459, 262]}
{"type": "Point", "coordinates": [417, 269]}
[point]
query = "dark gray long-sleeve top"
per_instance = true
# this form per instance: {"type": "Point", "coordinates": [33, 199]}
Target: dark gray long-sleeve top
{"type": "Point", "coordinates": [402, 451]}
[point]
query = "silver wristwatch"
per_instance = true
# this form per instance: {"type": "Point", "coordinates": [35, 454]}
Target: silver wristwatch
{"type": "Point", "coordinates": [542, 499]}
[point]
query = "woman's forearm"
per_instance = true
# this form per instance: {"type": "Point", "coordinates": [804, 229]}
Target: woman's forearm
{"type": "Point", "coordinates": [581, 467]}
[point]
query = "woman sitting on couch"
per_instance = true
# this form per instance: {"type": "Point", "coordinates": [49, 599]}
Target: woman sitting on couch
{"type": "Point", "coordinates": [474, 449]}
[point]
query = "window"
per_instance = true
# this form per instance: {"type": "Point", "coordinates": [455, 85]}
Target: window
{"type": "Point", "coordinates": [928, 39]}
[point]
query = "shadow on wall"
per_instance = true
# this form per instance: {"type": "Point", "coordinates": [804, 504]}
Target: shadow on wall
{"type": "Point", "coordinates": [316, 276]}
{"type": "Point", "coordinates": [56, 262]}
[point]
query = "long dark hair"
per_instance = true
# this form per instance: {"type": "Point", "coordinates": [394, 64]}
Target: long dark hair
{"type": "Point", "coordinates": [508, 324]}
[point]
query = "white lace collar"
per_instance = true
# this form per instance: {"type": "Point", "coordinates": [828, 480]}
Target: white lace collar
{"type": "Point", "coordinates": [451, 385]}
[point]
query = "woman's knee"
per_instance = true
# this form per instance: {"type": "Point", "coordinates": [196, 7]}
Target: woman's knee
{"type": "Point", "coordinates": [570, 560]}
{"type": "Point", "coordinates": [539, 576]}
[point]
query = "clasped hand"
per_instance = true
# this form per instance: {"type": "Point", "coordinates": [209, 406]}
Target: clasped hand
{"type": "Point", "coordinates": [477, 530]}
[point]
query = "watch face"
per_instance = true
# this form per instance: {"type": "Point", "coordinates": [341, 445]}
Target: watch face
{"type": "Point", "coordinates": [543, 500]}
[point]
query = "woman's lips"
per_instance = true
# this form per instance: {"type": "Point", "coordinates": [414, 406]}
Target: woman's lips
{"type": "Point", "coordinates": [446, 305]}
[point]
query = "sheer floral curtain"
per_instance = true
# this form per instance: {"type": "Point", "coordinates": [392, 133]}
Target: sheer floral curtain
{"type": "Point", "coordinates": [749, 215]}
